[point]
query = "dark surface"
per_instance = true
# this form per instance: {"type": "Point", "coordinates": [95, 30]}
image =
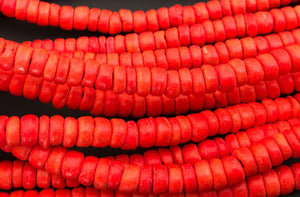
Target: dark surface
{"type": "Point", "coordinates": [22, 31]}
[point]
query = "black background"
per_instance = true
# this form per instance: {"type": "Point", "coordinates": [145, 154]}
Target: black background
{"type": "Point", "coordinates": [20, 31]}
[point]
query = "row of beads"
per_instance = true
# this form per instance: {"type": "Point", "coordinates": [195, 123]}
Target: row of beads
{"type": "Point", "coordinates": [110, 104]}
{"type": "Point", "coordinates": [281, 180]}
{"type": "Point", "coordinates": [144, 80]}
{"type": "Point", "coordinates": [113, 174]}
{"type": "Point", "coordinates": [260, 23]}
{"type": "Point", "coordinates": [86, 131]}
{"type": "Point", "coordinates": [171, 58]}
{"type": "Point", "coordinates": [106, 21]}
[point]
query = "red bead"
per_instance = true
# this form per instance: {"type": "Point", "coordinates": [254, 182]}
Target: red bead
{"type": "Point", "coordinates": [171, 36]}
{"type": "Point", "coordinates": [152, 20]}
{"type": "Point", "coordinates": [56, 130]}
{"type": "Point", "coordinates": [232, 142]}
{"type": "Point", "coordinates": [6, 175]}
{"type": "Point", "coordinates": [208, 149]}
{"type": "Point", "coordinates": [118, 132]}
{"type": "Point", "coordinates": [139, 108]}
{"type": "Point", "coordinates": [70, 132]}
{"type": "Point", "coordinates": [226, 75]}
{"type": "Point", "coordinates": [226, 7]}
{"type": "Point", "coordinates": [29, 177]}
{"type": "Point", "coordinates": [163, 132]}
{"type": "Point", "coordinates": [209, 31]}
{"type": "Point", "coordinates": [274, 151]}
{"type": "Point", "coordinates": [102, 173]}
{"type": "Point", "coordinates": [188, 15]}
{"type": "Point", "coordinates": [131, 140]}
{"type": "Point", "coordinates": [126, 104]}
{"type": "Point", "coordinates": [119, 77]}
{"type": "Point", "coordinates": [55, 159]}
{"type": "Point", "coordinates": [249, 47]}
{"type": "Point", "coordinates": [173, 84]}
{"type": "Point", "coordinates": [220, 180]}
{"type": "Point", "coordinates": [22, 59]}
{"type": "Point", "coordinates": [293, 141]}
{"type": "Point", "coordinates": [152, 158]}
{"type": "Point", "coordinates": [199, 127]}
{"type": "Point", "coordinates": [146, 132]}
{"type": "Point", "coordinates": [236, 119]}
{"type": "Point", "coordinates": [104, 78]}
{"type": "Point", "coordinates": [115, 24]}
{"type": "Point", "coordinates": [146, 41]}
{"type": "Point", "coordinates": [163, 18]}
{"type": "Point", "coordinates": [262, 157]}
{"type": "Point", "coordinates": [224, 119]}
{"type": "Point", "coordinates": [185, 57]}
{"type": "Point", "coordinates": [43, 14]}
{"type": "Point", "coordinates": [8, 55]}
{"type": "Point", "coordinates": [279, 20]}
{"type": "Point", "coordinates": [54, 14]}
{"type": "Point", "coordinates": [66, 17]}
{"type": "Point", "coordinates": [238, 7]}
{"type": "Point", "coordinates": [147, 179]}
{"type": "Point", "coordinates": [190, 154]}
{"type": "Point", "coordinates": [93, 19]}
{"type": "Point", "coordinates": [43, 178]}
{"type": "Point", "coordinates": [219, 30]}
{"type": "Point", "coordinates": [143, 80]}
{"type": "Point", "coordinates": [287, 38]}
{"type": "Point", "coordinates": [29, 130]}
{"type": "Point", "coordinates": [103, 23]}
{"type": "Point", "coordinates": [175, 179]}
{"type": "Point", "coordinates": [189, 177]}
{"type": "Point", "coordinates": [38, 62]}
{"type": "Point", "coordinates": [245, 156]}
{"type": "Point", "coordinates": [266, 26]}
{"type": "Point", "coordinates": [247, 94]}
{"type": "Point", "coordinates": [210, 55]}
{"type": "Point", "coordinates": [251, 25]}
{"type": "Point", "coordinates": [240, 25]}
{"type": "Point", "coordinates": [230, 27]}
{"type": "Point", "coordinates": [256, 184]}
{"type": "Point", "coordinates": [234, 47]}
{"type": "Point", "coordinates": [291, 49]}
{"type": "Point", "coordinates": [272, 184]}
{"type": "Point", "coordinates": [160, 42]}
{"type": "Point", "coordinates": [175, 14]}
{"type": "Point", "coordinates": [240, 70]}
{"type": "Point", "coordinates": [21, 9]}
{"type": "Point", "coordinates": [204, 175]}
{"type": "Point", "coordinates": [130, 178]}
{"type": "Point", "coordinates": [13, 134]}
{"type": "Point", "coordinates": [255, 71]}
{"type": "Point", "coordinates": [127, 20]}
{"type": "Point", "coordinates": [32, 11]}
{"type": "Point", "coordinates": [38, 156]}
{"type": "Point", "coordinates": [139, 21]}
{"type": "Point", "coordinates": [50, 67]}
{"type": "Point", "coordinates": [283, 59]}
{"type": "Point", "coordinates": [284, 146]}
{"type": "Point", "coordinates": [196, 54]}
{"type": "Point", "coordinates": [233, 169]}
{"type": "Point", "coordinates": [274, 41]}
{"type": "Point", "coordinates": [247, 116]}
{"type": "Point", "coordinates": [295, 169]}
{"type": "Point", "coordinates": [286, 179]}
{"type": "Point", "coordinates": [290, 17]}
{"type": "Point", "coordinates": [201, 12]}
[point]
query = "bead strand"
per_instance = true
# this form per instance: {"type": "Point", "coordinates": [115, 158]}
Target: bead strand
{"type": "Point", "coordinates": [106, 21]}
